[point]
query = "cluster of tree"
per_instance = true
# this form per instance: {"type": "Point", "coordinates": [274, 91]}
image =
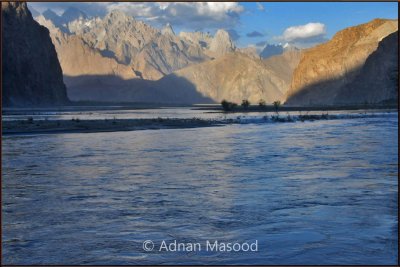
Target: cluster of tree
{"type": "Point", "coordinates": [229, 106]}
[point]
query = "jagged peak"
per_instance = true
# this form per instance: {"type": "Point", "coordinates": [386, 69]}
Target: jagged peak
{"type": "Point", "coordinates": [117, 14]}
{"type": "Point", "coordinates": [361, 29]}
{"type": "Point", "coordinates": [222, 33]}
{"type": "Point", "coordinates": [73, 12]}
{"type": "Point", "coordinates": [49, 12]}
{"type": "Point", "coordinates": [290, 47]}
{"type": "Point", "coordinates": [222, 42]}
{"type": "Point", "coordinates": [168, 29]}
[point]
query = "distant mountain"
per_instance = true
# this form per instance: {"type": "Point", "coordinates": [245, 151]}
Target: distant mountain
{"type": "Point", "coordinates": [150, 52]}
{"type": "Point", "coordinates": [271, 50]}
{"type": "Point", "coordinates": [83, 62]}
{"type": "Point", "coordinates": [234, 77]}
{"type": "Point", "coordinates": [283, 66]}
{"type": "Point", "coordinates": [31, 75]}
{"type": "Point", "coordinates": [117, 58]}
{"type": "Point", "coordinates": [167, 30]}
{"type": "Point", "coordinates": [250, 51]}
{"type": "Point", "coordinates": [71, 14]}
{"type": "Point", "coordinates": [164, 54]}
{"type": "Point", "coordinates": [197, 38]}
{"type": "Point", "coordinates": [53, 17]}
{"type": "Point", "coordinates": [221, 44]}
{"type": "Point", "coordinates": [326, 69]}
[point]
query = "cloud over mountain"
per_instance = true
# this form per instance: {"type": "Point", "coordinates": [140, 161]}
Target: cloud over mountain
{"type": "Point", "coordinates": [196, 15]}
{"type": "Point", "coordinates": [312, 32]}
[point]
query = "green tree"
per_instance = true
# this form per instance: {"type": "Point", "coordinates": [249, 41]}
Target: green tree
{"type": "Point", "coordinates": [276, 104]}
{"type": "Point", "coordinates": [228, 106]}
{"type": "Point", "coordinates": [245, 103]}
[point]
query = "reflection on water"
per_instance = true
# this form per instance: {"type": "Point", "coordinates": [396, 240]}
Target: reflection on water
{"type": "Point", "coordinates": [321, 192]}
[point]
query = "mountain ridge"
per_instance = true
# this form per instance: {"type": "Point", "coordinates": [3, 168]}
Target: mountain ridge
{"type": "Point", "coordinates": [31, 73]}
{"type": "Point", "coordinates": [326, 68]}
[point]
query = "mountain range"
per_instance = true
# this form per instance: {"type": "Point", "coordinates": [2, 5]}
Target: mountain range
{"type": "Point", "coordinates": [118, 58]}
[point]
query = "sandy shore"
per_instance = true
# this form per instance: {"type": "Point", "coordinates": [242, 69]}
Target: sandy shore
{"type": "Point", "coordinates": [88, 126]}
{"type": "Point", "coordinates": [31, 126]}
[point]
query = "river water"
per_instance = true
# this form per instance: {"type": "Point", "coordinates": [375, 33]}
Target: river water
{"type": "Point", "coordinates": [321, 192]}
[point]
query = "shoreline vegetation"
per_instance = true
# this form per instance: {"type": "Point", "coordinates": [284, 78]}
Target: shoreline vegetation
{"type": "Point", "coordinates": [217, 107]}
{"type": "Point", "coordinates": [76, 125]}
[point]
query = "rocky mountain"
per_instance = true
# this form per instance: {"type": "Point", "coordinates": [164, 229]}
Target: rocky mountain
{"type": "Point", "coordinates": [32, 74]}
{"type": "Point", "coordinates": [52, 16]}
{"type": "Point", "coordinates": [72, 13]}
{"type": "Point", "coordinates": [250, 51]}
{"type": "Point", "coordinates": [283, 66]}
{"type": "Point", "coordinates": [165, 54]}
{"type": "Point", "coordinates": [69, 15]}
{"type": "Point", "coordinates": [117, 58]}
{"type": "Point", "coordinates": [221, 44]}
{"type": "Point", "coordinates": [326, 69]}
{"type": "Point", "coordinates": [78, 59]}
{"type": "Point", "coordinates": [197, 38]}
{"type": "Point", "coordinates": [378, 80]}
{"type": "Point", "coordinates": [81, 26]}
{"type": "Point", "coordinates": [188, 68]}
{"type": "Point", "coordinates": [234, 77]}
{"type": "Point", "coordinates": [271, 50]}
{"type": "Point", "coordinates": [150, 52]}
{"type": "Point", "coordinates": [167, 30]}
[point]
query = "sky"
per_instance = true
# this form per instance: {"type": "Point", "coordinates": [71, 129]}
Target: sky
{"type": "Point", "coordinates": [303, 24]}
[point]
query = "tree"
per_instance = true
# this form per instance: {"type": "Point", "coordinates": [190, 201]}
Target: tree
{"type": "Point", "coordinates": [276, 104]}
{"type": "Point", "coordinates": [228, 106]}
{"type": "Point", "coordinates": [245, 103]}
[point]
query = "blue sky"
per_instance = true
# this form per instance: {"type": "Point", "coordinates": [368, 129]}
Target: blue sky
{"type": "Point", "coordinates": [278, 16]}
{"type": "Point", "coordinates": [303, 24]}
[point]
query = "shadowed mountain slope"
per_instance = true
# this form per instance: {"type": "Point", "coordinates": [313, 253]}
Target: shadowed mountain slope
{"type": "Point", "coordinates": [32, 75]}
{"type": "Point", "coordinates": [326, 69]}
{"type": "Point", "coordinates": [378, 79]}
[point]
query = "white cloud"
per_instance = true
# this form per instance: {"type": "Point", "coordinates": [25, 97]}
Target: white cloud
{"type": "Point", "coordinates": [190, 15]}
{"type": "Point", "coordinates": [312, 30]}
{"type": "Point", "coordinates": [260, 7]}
{"type": "Point", "coordinates": [197, 15]}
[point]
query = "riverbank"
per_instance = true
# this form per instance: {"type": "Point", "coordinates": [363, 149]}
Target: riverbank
{"type": "Point", "coordinates": [214, 108]}
{"type": "Point", "coordinates": [88, 126]}
{"type": "Point", "coordinates": [76, 125]}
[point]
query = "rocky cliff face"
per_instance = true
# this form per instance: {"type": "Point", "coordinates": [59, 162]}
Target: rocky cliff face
{"type": "Point", "coordinates": [151, 53]}
{"type": "Point", "coordinates": [250, 51]}
{"type": "Point", "coordinates": [164, 54]}
{"type": "Point", "coordinates": [327, 68]}
{"type": "Point", "coordinates": [221, 44]}
{"type": "Point", "coordinates": [78, 59]}
{"type": "Point", "coordinates": [377, 81]}
{"type": "Point", "coordinates": [120, 59]}
{"type": "Point", "coordinates": [283, 67]}
{"type": "Point", "coordinates": [32, 74]}
{"type": "Point", "coordinates": [197, 38]}
{"type": "Point", "coordinates": [271, 50]}
{"type": "Point", "coordinates": [234, 77]}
